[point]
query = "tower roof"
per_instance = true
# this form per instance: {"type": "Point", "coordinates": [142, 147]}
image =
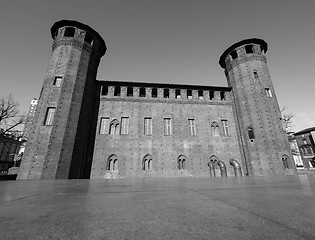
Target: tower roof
{"type": "Point", "coordinates": [261, 42]}
{"type": "Point", "coordinates": [82, 26]}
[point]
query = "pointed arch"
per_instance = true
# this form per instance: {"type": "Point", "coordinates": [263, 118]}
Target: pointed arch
{"type": "Point", "coordinates": [147, 162]}
{"type": "Point", "coordinates": [255, 73]}
{"type": "Point", "coordinates": [285, 161]}
{"type": "Point", "coordinates": [214, 159]}
{"type": "Point", "coordinates": [222, 167]}
{"type": "Point", "coordinates": [181, 162]}
{"type": "Point", "coordinates": [215, 129]}
{"type": "Point", "coordinates": [114, 127]}
{"type": "Point", "coordinates": [237, 167]}
{"type": "Point", "coordinates": [112, 163]}
{"type": "Point", "coordinates": [213, 165]}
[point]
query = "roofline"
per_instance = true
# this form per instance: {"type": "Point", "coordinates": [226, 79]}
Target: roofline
{"type": "Point", "coordinates": [163, 85]}
{"type": "Point", "coordinates": [241, 43]}
{"type": "Point", "coordinates": [306, 130]}
{"type": "Point", "coordinates": [82, 26]}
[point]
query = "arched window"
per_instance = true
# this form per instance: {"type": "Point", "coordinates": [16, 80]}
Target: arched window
{"type": "Point", "coordinates": [181, 162]}
{"type": "Point", "coordinates": [114, 127]}
{"type": "Point", "coordinates": [213, 159]}
{"type": "Point", "coordinates": [285, 161]}
{"type": "Point", "coordinates": [251, 135]}
{"type": "Point", "coordinates": [215, 129]}
{"type": "Point", "coordinates": [147, 162]}
{"type": "Point", "coordinates": [112, 163]}
{"type": "Point", "coordinates": [255, 73]}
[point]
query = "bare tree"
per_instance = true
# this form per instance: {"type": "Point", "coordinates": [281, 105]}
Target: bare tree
{"type": "Point", "coordinates": [286, 119]}
{"type": "Point", "coordinates": [10, 116]}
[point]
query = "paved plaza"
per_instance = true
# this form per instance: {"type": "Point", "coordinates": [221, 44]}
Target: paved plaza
{"type": "Point", "coordinates": [159, 208]}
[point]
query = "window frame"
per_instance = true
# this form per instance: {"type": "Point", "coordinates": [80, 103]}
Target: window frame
{"type": "Point", "coordinates": [124, 126]}
{"type": "Point", "coordinates": [167, 123]}
{"type": "Point", "coordinates": [49, 117]}
{"type": "Point", "coordinates": [268, 92]}
{"type": "Point", "coordinates": [57, 81]}
{"type": "Point", "coordinates": [148, 128]}
{"type": "Point", "coordinates": [215, 129]}
{"type": "Point", "coordinates": [104, 125]}
{"type": "Point", "coordinates": [192, 127]}
{"type": "Point", "coordinates": [225, 127]}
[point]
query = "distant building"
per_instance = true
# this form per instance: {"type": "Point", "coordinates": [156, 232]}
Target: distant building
{"type": "Point", "coordinates": [10, 151]}
{"type": "Point", "coordinates": [305, 141]}
{"type": "Point", "coordinates": [30, 118]}
{"type": "Point", "coordinates": [89, 128]}
{"type": "Point", "coordinates": [295, 151]}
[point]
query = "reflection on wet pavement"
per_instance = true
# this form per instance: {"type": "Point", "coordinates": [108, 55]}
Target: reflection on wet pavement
{"type": "Point", "coordinates": [159, 208]}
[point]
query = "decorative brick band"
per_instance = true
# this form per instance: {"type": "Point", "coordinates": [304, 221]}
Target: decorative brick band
{"type": "Point", "coordinates": [234, 63]}
{"type": "Point", "coordinates": [72, 43]}
{"type": "Point", "coordinates": [172, 101]}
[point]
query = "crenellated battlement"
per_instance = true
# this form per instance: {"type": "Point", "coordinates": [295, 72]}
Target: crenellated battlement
{"type": "Point", "coordinates": [243, 51]}
{"type": "Point", "coordinates": [164, 92]}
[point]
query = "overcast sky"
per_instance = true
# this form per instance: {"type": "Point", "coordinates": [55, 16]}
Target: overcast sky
{"type": "Point", "coordinates": [173, 41]}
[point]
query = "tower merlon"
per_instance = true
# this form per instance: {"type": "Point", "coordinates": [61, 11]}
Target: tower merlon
{"type": "Point", "coordinates": [229, 53]}
{"type": "Point", "coordinates": [69, 27]}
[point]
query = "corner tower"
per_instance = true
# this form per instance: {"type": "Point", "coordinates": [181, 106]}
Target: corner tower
{"type": "Point", "coordinates": [264, 144]}
{"type": "Point", "coordinates": [57, 146]}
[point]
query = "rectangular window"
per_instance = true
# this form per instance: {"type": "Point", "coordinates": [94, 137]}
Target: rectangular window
{"type": "Point", "coordinates": [225, 128]}
{"type": "Point", "coordinates": [268, 92]}
{"type": "Point", "coordinates": [49, 116]}
{"type": "Point", "coordinates": [104, 125]}
{"type": "Point", "coordinates": [124, 129]}
{"type": "Point", "coordinates": [57, 81]}
{"type": "Point", "coordinates": [309, 150]}
{"type": "Point", "coordinates": [147, 126]}
{"type": "Point", "coordinates": [192, 127]}
{"type": "Point", "coordinates": [167, 127]}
